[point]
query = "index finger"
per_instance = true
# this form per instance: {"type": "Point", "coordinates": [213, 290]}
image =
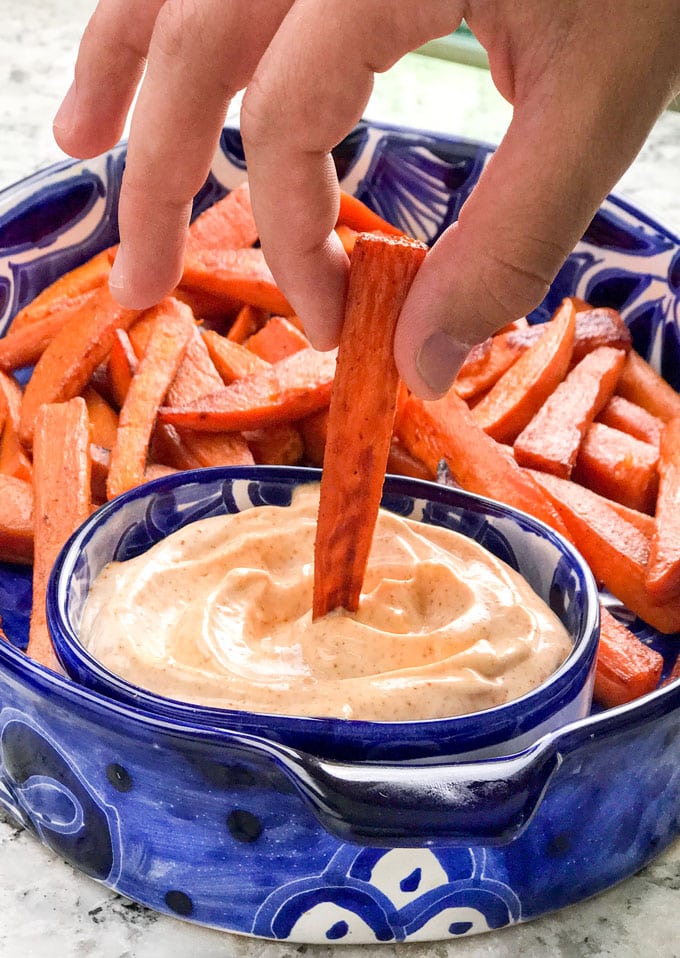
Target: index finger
{"type": "Point", "coordinates": [309, 90]}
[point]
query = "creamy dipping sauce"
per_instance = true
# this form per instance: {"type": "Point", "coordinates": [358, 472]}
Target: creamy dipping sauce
{"type": "Point", "coordinates": [219, 613]}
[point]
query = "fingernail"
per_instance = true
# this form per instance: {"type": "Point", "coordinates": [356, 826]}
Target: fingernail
{"type": "Point", "coordinates": [64, 116]}
{"type": "Point", "coordinates": [117, 274]}
{"type": "Point", "coordinates": [439, 359]}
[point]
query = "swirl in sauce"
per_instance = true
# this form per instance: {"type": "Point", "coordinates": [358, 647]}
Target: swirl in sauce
{"type": "Point", "coordinates": [219, 613]}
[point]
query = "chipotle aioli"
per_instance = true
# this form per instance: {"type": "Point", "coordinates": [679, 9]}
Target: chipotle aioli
{"type": "Point", "coordinates": [219, 613]}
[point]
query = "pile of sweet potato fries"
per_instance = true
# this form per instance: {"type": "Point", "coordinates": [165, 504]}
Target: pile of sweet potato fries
{"type": "Point", "coordinates": [563, 420]}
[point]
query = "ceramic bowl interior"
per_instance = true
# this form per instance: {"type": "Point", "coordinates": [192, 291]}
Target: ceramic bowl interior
{"type": "Point", "coordinates": [130, 524]}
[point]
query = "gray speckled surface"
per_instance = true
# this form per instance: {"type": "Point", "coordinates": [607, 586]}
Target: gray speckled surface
{"type": "Point", "coordinates": [48, 909]}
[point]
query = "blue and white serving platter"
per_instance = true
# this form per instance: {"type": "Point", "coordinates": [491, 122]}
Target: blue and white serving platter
{"type": "Point", "coordinates": [73, 763]}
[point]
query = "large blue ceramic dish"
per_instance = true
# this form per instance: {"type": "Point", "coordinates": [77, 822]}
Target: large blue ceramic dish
{"type": "Point", "coordinates": [605, 789]}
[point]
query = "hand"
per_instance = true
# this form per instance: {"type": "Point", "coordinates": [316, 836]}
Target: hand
{"type": "Point", "coordinates": [587, 82]}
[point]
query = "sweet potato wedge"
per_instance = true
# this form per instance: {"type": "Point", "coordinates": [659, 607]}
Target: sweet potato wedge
{"type": "Point", "coordinates": [227, 224]}
{"type": "Point", "coordinates": [232, 360]}
{"type": "Point", "coordinates": [92, 274]}
{"type": "Point", "coordinates": [360, 417]}
{"type": "Point", "coordinates": [13, 458]}
{"type": "Point", "coordinates": [640, 383]}
{"type": "Point", "coordinates": [237, 275]}
{"type": "Point", "coordinates": [626, 668]}
{"type": "Point", "coordinates": [277, 339]}
{"type": "Point", "coordinates": [663, 567]}
{"type": "Point", "coordinates": [618, 466]}
{"type": "Point", "coordinates": [446, 430]}
{"type": "Point", "coordinates": [23, 345]}
{"type": "Point", "coordinates": [620, 413]}
{"type": "Point", "coordinates": [173, 328]}
{"type": "Point", "coordinates": [71, 357]}
{"type": "Point", "coordinates": [360, 217]}
{"type": "Point", "coordinates": [616, 550]}
{"type": "Point", "coordinates": [286, 391]}
{"type": "Point", "coordinates": [16, 520]}
{"type": "Point", "coordinates": [247, 322]}
{"type": "Point", "coordinates": [551, 439]}
{"type": "Point", "coordinates": [121, 366]}
{"type": "Point", "coordinates": [62, 501]}
{"type": "Point", "coordinates": [520, 392]}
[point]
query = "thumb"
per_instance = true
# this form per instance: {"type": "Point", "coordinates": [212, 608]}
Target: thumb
{"type": "Point", "coordinates": [531, 205]}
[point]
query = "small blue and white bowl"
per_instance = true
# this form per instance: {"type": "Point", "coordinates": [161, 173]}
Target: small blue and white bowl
{"type": "Point", "coordinates": [130, 524]}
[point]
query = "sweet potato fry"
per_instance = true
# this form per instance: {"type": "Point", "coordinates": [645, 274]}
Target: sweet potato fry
{"type": "Point", "coordinates": [626, 668]}
{"type": "Point", "coordinates": [355, 214]}
{"type": "Point", "coordinates": [227, 224]}
{"type": "Point", "coordinates": [314, 430]}
{"type": "Point", "coordinates": [445, 429]}
{"type": "Point", "coordinates": [231, 359]}
{"type": "Point", "coordinates": [62, 500]}
{"type": "Point", "coordinates": [92, 274]}
{"type": "Point", "coordinates": [240, 274]}
{"type": "Point", "coordinates": [277, 339]}
{"type": "Point", "coordinates": [551, 439]}
{"type": "Point", "coordinates": [347, 237]}
{"type": "Point", "coordinates": [620, 413]}
{"type": "Point", "coordinates": [103, 418]}
{"type": "Point", "coordinates": [13, 458]}
{"type": "Point", "coordinates": [618, 466]}
{"type": "Point", "coordinates": [16, 520]}
{"type": "Point", "coordinates": [616, 550]}
{"type": "Point", "coordinates": [122, 365]}
{"type": "Point", "coordinates": [173, 328]}
{"type": "Point", "coordinates": [280, 445]}
{"type": "Point", "coordinates": [196, 377]}
{"type": "Point", "coordinates": [486, 363]}
{"type": "Point", "coordinates": [509, 405]}
{"type": "Point", "coordinates": [401, 462]}
{"type": "Point", "coordinates": [248, 321]}
{"type": "Point", "coordinates": [595, 327]}
{"type": "Point", "coordinates": [23, 345]}
{"type": "Point", "coordinates": [71, 358]}
{"type": "Point", "coordinates": [361, 416]}
{"type": "Point", "coordinates": [663, 567]}
{"type": "Point", "coordinates": [286, 391]}
{"type": "Point", "coordinates": [640, 383]}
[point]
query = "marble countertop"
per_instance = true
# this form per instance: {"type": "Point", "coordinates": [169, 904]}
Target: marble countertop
{"type": "Point", "coordinates": [46, 907]}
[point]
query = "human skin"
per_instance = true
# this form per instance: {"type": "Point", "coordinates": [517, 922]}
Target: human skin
{"type": "Point", "coordinates": [587, 82]}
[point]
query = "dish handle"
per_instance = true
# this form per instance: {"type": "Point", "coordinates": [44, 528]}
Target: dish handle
{"type": "Point", "coordinates": [487, 802]}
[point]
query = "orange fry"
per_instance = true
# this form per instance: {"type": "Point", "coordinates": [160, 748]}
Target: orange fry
{"type": "Point", "coordinates": [16, 520]}
{"type": "Point", "coordinates": [640, 383]}
{"type": "Point", "coordinates": [626, 668]}
{"type": "Point", "coordinates": [355, 214]}
{"type": "Point", "coordinates": [360, 417]}
{"type": "Point", "coordinates": [277, 339]}
{"type": "Point", "coordinates": [71, 358]}
{"type": "Point", "coordinates": [551, 439]}
{"type": "Point", "coordinates": [231, 359]}
{"type": "Point", "coordinates": [520, 392]}
{"type": "Point", "coordinates": [61, 489]}
{"type": "Point", "coordinates": [227, 224]}
{"type": "Point", "coordinates": [23, 345]}
{"type": "Point", "coordinates": [445, 429]}
{"type": "Point", "coordinates": [173, 328]}
{"type": "Point", "coordinates": [240, 274]}
{"type": "Point", "coordinates": [618, 466]}
{"type": "Point", "coordinates": [13, 458]}
{"type": "Point", "coordinates": [663, 568]}
{"type": "Point", "coordinates": [285, 391]}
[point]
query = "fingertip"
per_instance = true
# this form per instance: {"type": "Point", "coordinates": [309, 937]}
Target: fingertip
{"type": "Point", "coordinates": [136, 288]}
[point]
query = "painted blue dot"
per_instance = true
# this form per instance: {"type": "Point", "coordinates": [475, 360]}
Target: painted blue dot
{"type": "Point", "coordinates": [412, 881]}
{"type": "Point", "coordinates": [338, 930]}
{"type": "Point", "coordinates": [460, 927]}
